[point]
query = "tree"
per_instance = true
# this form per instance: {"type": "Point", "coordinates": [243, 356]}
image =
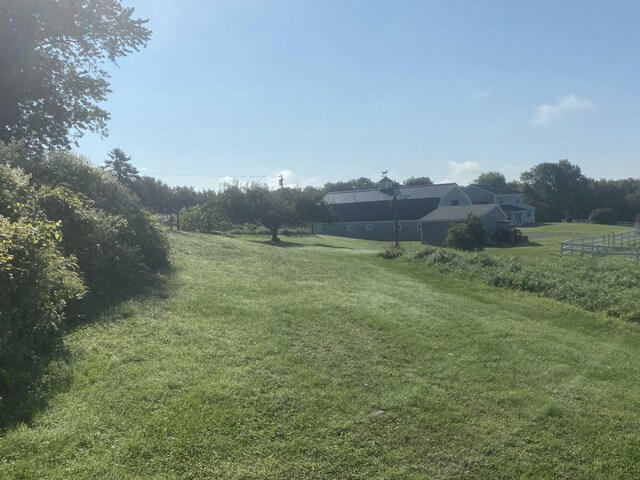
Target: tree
{"type": "Point", "coordinates": [557, 189]}
{"type": "Point", "coordinates": [417, 181]}
{"type": "Point", "coordinates": [119, 165]}
{"type": "Point", "coordinates": [491, 178]}
{"type": "Point", "coordinates": [52, 59]}
{"type": "Point", "coordinates": [256, 203]}
{"type": "Point", "coordinates": [603, 216]}
{"type": "Point", "coordinates": [361, 183]}
{"type": "Point", "coordinates": [467, 235]}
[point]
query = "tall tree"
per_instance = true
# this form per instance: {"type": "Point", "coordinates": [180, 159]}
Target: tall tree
{"type": "Point", "coordinates": [119, 165]}
{"type": "Point", "coordinates": [557, 189]}
{"type": "Point", "coordinates": [52, 59]}
{"type": "Point", "coordinates": [491, 178]}
{"type": "Point", "coordinates": [417, 181]}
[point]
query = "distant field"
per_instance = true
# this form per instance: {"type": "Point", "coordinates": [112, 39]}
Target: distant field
{"type": "Point", "coordinates": [318, 359]}
{"type": "Point", "coordinates": [544, 238]}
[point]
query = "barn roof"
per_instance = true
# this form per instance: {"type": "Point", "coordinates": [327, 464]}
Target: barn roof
{"type": "Point", "coordinates": [414, 192]}
{"type": "Point", "coordinates": [457, 213]}
{"type": "Point", "coordinates": [498, 189]}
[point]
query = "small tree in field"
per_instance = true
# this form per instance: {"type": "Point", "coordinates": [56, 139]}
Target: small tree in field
{"type": "Point", "coordinates": [256, 203]}
{"type": "Point", "coordinates": [467, 235]}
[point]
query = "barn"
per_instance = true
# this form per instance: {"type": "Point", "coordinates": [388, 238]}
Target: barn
{"type": "Point", "coordinates": [436, 224]}
{"type": "Point", "coordinates": [369, 214]}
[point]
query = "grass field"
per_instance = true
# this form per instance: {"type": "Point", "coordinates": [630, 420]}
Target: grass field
{"type": "Point", "coordinates": [319, 360]}
{"type": "Point", "coordinates": [544, 238]}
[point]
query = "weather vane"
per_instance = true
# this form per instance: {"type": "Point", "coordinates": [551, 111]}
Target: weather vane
{"type": "Point", "coordinates": [384, 173]}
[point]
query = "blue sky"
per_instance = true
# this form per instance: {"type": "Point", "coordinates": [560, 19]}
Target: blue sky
{"type": "Point", "coordinates": [330, 90]}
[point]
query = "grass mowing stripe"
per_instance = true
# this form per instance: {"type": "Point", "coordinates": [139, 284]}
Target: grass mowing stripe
{"type": "Point", "coordinates": [322, 362]}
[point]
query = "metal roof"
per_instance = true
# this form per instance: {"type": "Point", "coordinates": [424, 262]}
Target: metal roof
{"type": "Point", "coordinates": [414, 192]}
{"type": "Point", "coordinates": [457, 213]}
{"type": "Point", "coordinates": [498, 189]}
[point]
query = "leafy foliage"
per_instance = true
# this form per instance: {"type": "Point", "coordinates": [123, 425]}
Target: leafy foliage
{"type": "Point", "coordinates": [603, 216]}
{"type": "Point", "coordinates": [417, 181]}
{"type": "Point", "coordinates": [597, 284]}
{"type": "Point", "coordinates": [52, 57]}
{"type": "Point", "coordinates": [491, 178]}
{"type": "Point", "coordinates": [119, 165]}
{"type": "Point", "coordinates": [467, 235]}
{"type": "Point", "coordinates": [37, 280]}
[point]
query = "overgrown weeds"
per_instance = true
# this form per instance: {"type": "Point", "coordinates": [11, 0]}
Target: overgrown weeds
{"type": "Point", "coordinates": [595, 284]}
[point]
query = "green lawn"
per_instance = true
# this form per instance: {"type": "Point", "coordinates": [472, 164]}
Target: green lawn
{"type": "Point", "coordinates": [321, 360]}
{"type": "Point", "coordinates": [545, 238]}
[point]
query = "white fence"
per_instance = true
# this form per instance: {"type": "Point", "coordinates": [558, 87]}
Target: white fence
{"type": "Point", "coordinates": [624, 244]}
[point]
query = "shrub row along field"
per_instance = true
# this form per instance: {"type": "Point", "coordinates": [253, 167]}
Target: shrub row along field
{"type": "Point", "coordinates": [608, 285]}
{"type": "Point", "coordinates": [319, 360]}
{"type": "Point", "coordinates": [67, 230]}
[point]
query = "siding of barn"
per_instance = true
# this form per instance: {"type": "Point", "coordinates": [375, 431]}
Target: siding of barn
{"type": "Point", "coordinates": [409, 230]}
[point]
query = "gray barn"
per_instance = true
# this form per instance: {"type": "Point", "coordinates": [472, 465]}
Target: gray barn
{"type": "Point", "coordinates": [436, 224]}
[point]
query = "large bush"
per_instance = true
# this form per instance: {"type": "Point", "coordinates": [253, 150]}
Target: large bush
{"type": "Point", "coordinates": [63, 169]}
{"type": "Point", "coordinates": [36, 283]}
{"type": "Point", "coordinates": [604, 216]}
{"type": "Point", "coordinates": [467, 235]}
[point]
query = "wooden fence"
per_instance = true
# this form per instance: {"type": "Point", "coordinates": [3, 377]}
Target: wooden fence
{"type": "Point", "coordinates": [623, 244]}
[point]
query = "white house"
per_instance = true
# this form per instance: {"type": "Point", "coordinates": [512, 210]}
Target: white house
{"type": "Point", "coordinates": [510, 200]}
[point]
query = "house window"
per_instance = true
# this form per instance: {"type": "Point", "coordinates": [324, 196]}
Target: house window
{"type": "Point", "coordinates": [399, 226]}
{"type": "Point", "coordinates": [369, 227]}
{"type": "Point", "coordinates": [419, 226]}
{"type": "Point", "coordinates": [517, 199]}
{"type": "Point", "coordinates": [455, 203]}
{"type": "Point", "coordinates": [529, 214]}
{"type": "Point", "coordinates": [349, 228]}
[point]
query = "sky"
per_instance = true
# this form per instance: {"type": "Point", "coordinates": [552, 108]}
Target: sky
{"type": "Point", "coordinates": [337, 89]}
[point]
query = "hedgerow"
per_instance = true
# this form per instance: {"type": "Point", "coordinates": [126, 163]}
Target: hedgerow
{"type": "Point", "coordinates": [66, 228]}
{"type": "Point", "coordinates": [596, 284]}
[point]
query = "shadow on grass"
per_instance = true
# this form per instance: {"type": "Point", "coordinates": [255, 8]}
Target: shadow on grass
{"type": "Point", "coordinates": [287, 244]}
{"type": "Point", "coordinates": [31, 392]}
{"type": "Point", "coordinates": [517, 245]}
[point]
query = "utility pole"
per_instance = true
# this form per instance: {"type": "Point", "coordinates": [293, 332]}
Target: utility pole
{"type": "Point", "coordinates": [395, 219]}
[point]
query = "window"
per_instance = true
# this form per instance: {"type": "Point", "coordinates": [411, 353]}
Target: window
{"type": "Point", "coordinates": [455, 203]}
{"type": "Point", "coordinates": [399, 226]}
{"type": "Point", "coordinates": [517, 199]}
{"type": "Point", "coordinates": [529, 214]}
{"type": "Point", "coordinates": [419, 226]}
{"type": "Point", "coordinates": [369, 227]}
{"type": "Point", "coordinates": [500, 200]}
{"type": "Point", "coordinates": [349, 228]}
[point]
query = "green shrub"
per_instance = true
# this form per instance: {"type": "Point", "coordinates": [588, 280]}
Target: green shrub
{"type": "Point", "coordinates": [392, 252]}
{"type": "Point", "coordinates": [467, 235]}
{"type": "Point", "coordinates": [77, 175]}
{"type": "Point", "coordinates": [568, 219]}
{"type": "Point", "coordinates": [604, 216]}
{"type": "Point", "coordinates": [36, 283]}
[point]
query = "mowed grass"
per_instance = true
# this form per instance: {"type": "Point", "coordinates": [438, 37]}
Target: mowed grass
{"type": "Point", "coordinates": [320, 360]}
{"type": "Point", "coordinates": [545, 238]}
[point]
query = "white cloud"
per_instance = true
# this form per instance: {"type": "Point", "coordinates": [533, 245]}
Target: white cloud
{"type": "Point", "coordinates": [547, 112]}
{"type": "Point", "coordinates": [462, 172]}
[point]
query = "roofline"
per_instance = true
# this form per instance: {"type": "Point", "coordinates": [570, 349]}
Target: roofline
{"type": "Point", "coordinates": [460, 219]}
{"type": "Point", "coordinates": [399, 186]}
{"type": "Point", "coordinates": [480, 185]}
